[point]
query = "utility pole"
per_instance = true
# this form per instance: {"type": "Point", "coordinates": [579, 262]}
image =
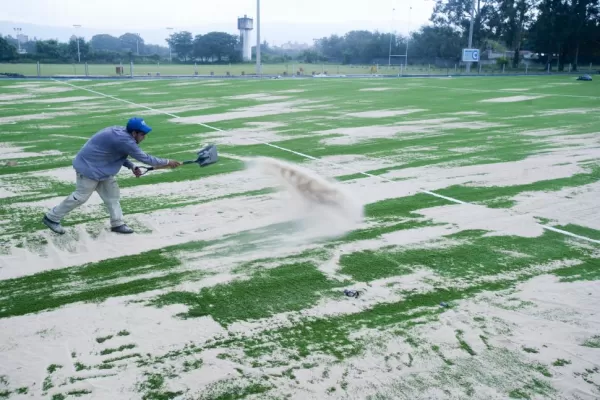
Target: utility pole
{"type": "Point", "coordinates": [258, 66]}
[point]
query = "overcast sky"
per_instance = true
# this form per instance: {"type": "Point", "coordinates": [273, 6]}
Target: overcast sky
{"type": "Point", "coordinates": [199, 15]}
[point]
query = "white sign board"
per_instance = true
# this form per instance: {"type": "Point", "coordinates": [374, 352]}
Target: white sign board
{"type": "Point", "coordinates": [470, 55]}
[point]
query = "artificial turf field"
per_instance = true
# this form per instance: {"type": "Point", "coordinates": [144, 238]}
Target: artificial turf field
{"type": "Point", "coordinates": [477, 258]}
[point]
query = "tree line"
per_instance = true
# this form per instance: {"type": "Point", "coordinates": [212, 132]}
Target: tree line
{"type": "Point", "coordinates": [558, 32]}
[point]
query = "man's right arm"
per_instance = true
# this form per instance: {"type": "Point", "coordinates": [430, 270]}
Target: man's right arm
{"type": "Point", "coordinates": [134, 151]}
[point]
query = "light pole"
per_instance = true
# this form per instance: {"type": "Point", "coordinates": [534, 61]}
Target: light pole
{"type": "Point", "coordinates": [137, 45]}
{"type": "Point", "coordinates": [18, 30]}
{"type": "Point", "coordinates": [391, 36]}
{"type": "Point", "coordinates": [471, 33]}
{"type": "Point", "coordinates": [170, 54]}
{"type": "Point", "coordinates": [77, 38]}
{"type": "Point", "coordinates": [258, 66]}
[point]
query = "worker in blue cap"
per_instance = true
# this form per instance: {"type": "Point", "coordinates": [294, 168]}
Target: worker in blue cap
{"type": "Point", "coordinates": [96, 165]}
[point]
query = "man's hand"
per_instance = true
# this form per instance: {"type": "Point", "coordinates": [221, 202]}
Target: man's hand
{"type": "Point", "coordinates": [137, 172]}
{"type": "Point", "coordinates": [173, 164]}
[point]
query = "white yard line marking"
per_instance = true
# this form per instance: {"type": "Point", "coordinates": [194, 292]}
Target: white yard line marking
{"type": "Point", "coordinates": [451, 199]}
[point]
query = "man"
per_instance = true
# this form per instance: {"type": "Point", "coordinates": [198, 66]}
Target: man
{"type": "Point", "coordinates": [96, 165]}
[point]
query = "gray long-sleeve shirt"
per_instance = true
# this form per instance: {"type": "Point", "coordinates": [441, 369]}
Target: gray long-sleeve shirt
{"type": "Point", "coordinates": [106, 152]}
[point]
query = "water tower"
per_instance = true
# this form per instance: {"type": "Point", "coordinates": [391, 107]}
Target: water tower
{"type": "Point", "coordinates": [245, 25]}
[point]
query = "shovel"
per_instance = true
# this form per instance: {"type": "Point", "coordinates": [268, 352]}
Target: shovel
{"type": "Point", "coordinates": [208, 155]}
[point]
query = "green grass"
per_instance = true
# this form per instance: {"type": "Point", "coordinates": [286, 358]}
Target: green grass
{"type": "Point", "coordinates": [231, 266]}
{"type": "Point", "coordinates": [290, 287]}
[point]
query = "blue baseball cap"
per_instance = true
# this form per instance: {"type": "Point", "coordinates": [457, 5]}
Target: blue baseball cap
{"type": "Point", "coordinates": [138, 124]}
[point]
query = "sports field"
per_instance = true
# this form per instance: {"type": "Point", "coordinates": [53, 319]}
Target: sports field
{"type": "Point", "coordinates": [477, 255]}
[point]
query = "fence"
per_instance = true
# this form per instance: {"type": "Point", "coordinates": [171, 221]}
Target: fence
{"type": "Point", "coordinates": [283, 69]}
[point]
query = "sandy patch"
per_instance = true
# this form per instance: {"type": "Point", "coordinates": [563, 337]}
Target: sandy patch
{"type": "Point", "coordinates": [175, 110]}
{"type": "Point", "coordinates": [560, 164]}
{"type": "Point", "coordinates": [577, 206]}
{"type": "Point", "coordinates": [468, 113]}
{"type": "Point", "coordinates": [31, 343]}
{"type": "Point", "coordinates": [399, 130]}
{"type": "Point", "coordinates": [11, 97]}
{"type": "Point", "coordinates": [51, 126]}
{"type": "Point", "coordinates": [379, 89]}
{"type": "Point", "coordinates": [257, 96]}
{"type": "Point", "coordinates": [500, 222]}
{"type": "Point", "coordinates": [569, 111]}
{"type": "Point", "coordinates": [544, 132]}
{"type": "Point", "coordinates": [250, 112]}
{"type": "Point", "coordinates": [51, 89]}
{"type": "Point", "coordinates": [11, 152]}
{"type": "Point", "coordinates": [112, 83]}
{"type": "Point", "coordinates": [62, 99]}
{"type": "Point", "coordinates": [135, 89]}
{"type": "Point", "coordinates": [510, 99]}
{"type": "Point", "coordinates": [25, 85]}
{"type": "Point", "coordinates": [466, 150]}
{"type": "Point", "coordinates": [185, 83]}
{"type": "Point", "coordinates": [337, 165]}
{"type": "Point", "coordinates": [262, 131]}
{"type": "Point", "coordinates": [29, 117]}
{"type": "Point", "coordinates": [70, 136]}
{"type": "Point", "coordinates": [384, 113]}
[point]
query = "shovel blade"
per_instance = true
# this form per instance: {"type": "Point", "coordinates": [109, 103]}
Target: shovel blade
{"type": "Point", "coordinates": [208, 155]}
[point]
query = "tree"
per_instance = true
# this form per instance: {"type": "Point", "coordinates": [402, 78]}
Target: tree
{"type": "Point", "coordinates": [182, 43]}
{"type": "Point", "coordinates": [84, 49]}
{"type": "Point", "coordinates": [105, 42]}
{"type": "Point", "coordinates": [514, 18]}
{"type": "Point", "coordinates": [7, 51]}
{"type": "Point", "coordinates": [456, 14]}
{"type": "Point", "coordinates": [217, 45]}
{"type": "Point", "coordinates": [437, 42]}
{"type": "Point", "coordinates": [132, 42]}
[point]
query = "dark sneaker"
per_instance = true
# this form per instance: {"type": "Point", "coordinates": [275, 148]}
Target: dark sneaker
{"type": "Point", "coordinates": [122, 229]}
{"type": "Point", "coordinates": [54, 226]}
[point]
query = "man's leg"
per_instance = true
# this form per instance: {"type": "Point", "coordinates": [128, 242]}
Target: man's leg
{"type": "Point", "coordinates": [110, 194]}
{"type": "Point", "coordinates": [83, 190]}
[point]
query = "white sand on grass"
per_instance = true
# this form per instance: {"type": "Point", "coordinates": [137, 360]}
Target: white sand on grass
{"type": "Point", "coordinates": [375, 89]}
{"type": "Point", "coordinates": [12, 152]}
{"type": "Point", "coordinates": [431, 126]}
{"type": "Point", "coordinates": [30, 117]}
{"type": "Point", "coordinates": [71, 99]}
{"type": "Point", "coordinates": [257, 96]}
{"type": "Point", "coordinates": [578, 206]}
{"type": "Point", "coordinates": [559, 164]}
{"type": "Point", "coordinates": [250, 112]}
{"type": "Point", "coordinates": [511, 99]}
{"type": "Point", "coordinates": [384, 113]}
{"type": "Point", "coordinates": [263, 131]}
{"type": "Point", "coordinates": [196, 222]}
{"type": "Point", "coordinates": [562, 111]}
{"type": "Point", "coordinates": [12, 97]}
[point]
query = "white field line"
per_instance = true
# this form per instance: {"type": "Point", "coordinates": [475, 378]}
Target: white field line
{"type": "Point", "coordinates": [453, 200]}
